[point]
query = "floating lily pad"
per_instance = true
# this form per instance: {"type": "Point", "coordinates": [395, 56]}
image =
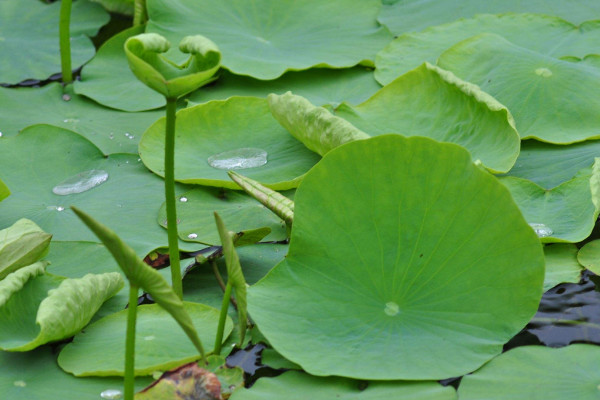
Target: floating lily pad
{"type": "Point", "coordinates": [537, 372]}
{"type": "Point", "coordinates": [108, 79]}
{"type": "Point", "coordinates": [124, 7]}
{"type": "Point", "coordinates": [589, 256]}
{"type": "Point", "coordinates": [561, 264]}
{"type": "Point", "coordinates": [319, 85]}
{"type": "Point", "coordinates": [552, 100]}
{"type": "Point", "coordinates": [548, 35]}
{"type": "Point", "coordinates": [406, 253]}
{"type": "Point", "coordinates": [431, 102]}
{"type": "Point", "coordinates": [112, 131]}
{"type": "Point", "coordinates": [29, 37]}
{"type": "Point", "coordinates": [299, 386]}
{"type": "Point", "coordinates": [290, 36]}
{"type": "Point", "coordinates": [75, 259]}
{"type": "Point", "coordinates": [222, 129]}
{"type": "Point", "coordinates": [160, 343]}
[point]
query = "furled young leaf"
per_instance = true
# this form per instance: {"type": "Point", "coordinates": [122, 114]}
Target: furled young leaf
{"type": "Point", "coordinates": [4, 191]}
{"type": "Point", "coordinates": [21, 244]}
{"type": "Point", "coordinates": [316, 127]}
{"type": "Point", "coordinates": [16, 280]}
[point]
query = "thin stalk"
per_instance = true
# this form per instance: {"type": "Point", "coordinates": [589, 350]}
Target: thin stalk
{"type": "Point", "coordinates": [130, 343]}
{"type": "Point", "coordinates": [222, 318]}
{"type": "Point", "coordinates": [170, 198]}
{"type": "Point", "coordinates": [220, 281]}
{"type": "Point", "coordinates": [65, 40]}
{"type": "Point", "coordinates": [139, 12]}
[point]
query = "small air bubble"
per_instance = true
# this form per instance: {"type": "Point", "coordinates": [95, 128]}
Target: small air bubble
{"type": "Point", "coordinates": [111, 136]}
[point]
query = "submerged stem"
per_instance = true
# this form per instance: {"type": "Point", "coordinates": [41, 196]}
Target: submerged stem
{"type": "Point", "coordinates": [170, 198]}
{"type": "Point", "coordinates": [139, 12]}
{"type": "Point", "coordinates": [222, 318]}
{"type": "Point", "coordinates": [65, 40]}
{"type": "Point", "coordinates": [130, 343]}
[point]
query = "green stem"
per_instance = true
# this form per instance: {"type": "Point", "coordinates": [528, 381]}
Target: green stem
{"type": "Point", "coordinates": [139, 12]}
{"type": "Point", "coordinates": [170, 198]}
{"type": "Point", "coordinates": [222, 318]}
{"type": "Point", "coordinates": [130, 343]}
{"type": "Point", "coordinates": [65, 40]}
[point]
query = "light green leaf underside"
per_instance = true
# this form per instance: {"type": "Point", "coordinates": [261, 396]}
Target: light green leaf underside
{"type": "Point", "coordinates": [561, 264]}
{"type": "Point", "coordinates": [127, 201]}
{"type": "Point", "coordinates": [4, 191]}
{"type": "Point", "coordinates": [547, 35]}
{"type": "Point", "coordinates": [16, 280]}
{"type": "Point", "coordinates": [432, 102]}
{"type": "Point", "coordinates": [589, 256]}
{"type": "Point", "coordinates": [112, 131]}
{"type": "Point", "coordinates": [299, 386]}
{"type": "Point", "coordinates": [21, 244]}
{"type": "Point", "coordinates": [108, 80]}
{"type": "Point", "coordinates": [160, 343]}
{"type": "Point", "coordinates": [319, 85]}
{"type": "Point", "coordinates": [568, 210]}
{"type": "Point", "coordinates": [552, 100]}
{"type": "Point", "coordinates": [537, 373]}
{"type": "Point", "coordinates": [264, 39]}
{"type": "Point", "coordinates": [35, 375]}
{"type": "Point", "coordinates": [220, 126]}
{"type": "Point", "coordinates": [29, 37]}
{"type": "Point", "coordinates": [415, 15]}
{"type": "Point", "coordinates": [240, 212]}
{"type": "Point", "coordinates": [408, 269]}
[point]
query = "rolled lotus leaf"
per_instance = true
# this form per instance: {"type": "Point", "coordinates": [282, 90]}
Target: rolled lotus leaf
{"type": "Point", "coordinates": [166, 77]}
{"type": "Point", "coordinates": [21, 244]}
{"type": "Point", "coordinates": [317, 128]}
{"type": "Point", "coordinates": [15, 281]}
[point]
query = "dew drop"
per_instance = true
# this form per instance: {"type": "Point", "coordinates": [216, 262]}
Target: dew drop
{"type": "Point", "coordinates": [55, 208]}
{"type": "Point", "coordinates": [183, 199]}
{"type": "Point", "coordinates": [66, 97]}
{"type": "Point", "coordinates": [0, 134]}
{"type": "Point", "coordinates": [111, 394]}
{"type": "Point", "coordinates": [543, 72]}
{"type": "Point", "coordinates": [151, 337]}
{"type": "Point", "coordinates": [541, 230]}
{"type": "Point", "coordinates": [242, 158]}
{"type": "Point", "coordinates": [20, 383]}
{"type": "Point", "coordinates": [68, 120]}
{"type": "Point", "coordinates": [192, 236]}
{"type": "Point", "coordinates": [391, 308]}
{"type": "Point", "coordinates": [111, 136]}
{"type": "Point", "coordinates": [81, 182]}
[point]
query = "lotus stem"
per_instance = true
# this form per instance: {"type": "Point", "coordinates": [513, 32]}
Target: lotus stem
{"type": "Point", "coordinates": [222, 318]}
{"type": "Point", "coordinates": [130, 343]}
{"type": "Point", "coordinates": [139, 12]}
{"type": "Point", "coordinates": [65, 41]}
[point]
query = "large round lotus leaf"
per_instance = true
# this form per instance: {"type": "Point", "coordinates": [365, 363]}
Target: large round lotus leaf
{"type": "Point", "coordinates": [108, 79]}
{"type": "Point", "coordinates": [432, 102]}
{"type": "Point", "coordinates": [541, 33]}
{"type": "Point", "coordinates": [589, 256]}
{"type": "Point", "coordinates": [552, 100]}
{"type": "Point", "coordinates": [112, 131]}
{"type": "Point", "coordinates": [415, 15]}
{"type": "Point", "coordinates": [160, 343]}
{"type": "Point", "coordinates": [319, 85]}
{"type": "Point", "coordinates": [127, 201]}
{"type": "Point", "coordinates": [299, 386]}
{"type": "Point", "coordinates": [566, 213]}
{"type": "Point", "coordinates": [549, 165]}
{"type": "Point", "coordinates": [561, 264]}
{"type": "Point", "coordinates": [412, 252]}
{"type": "Point", "coordinates": [264, 39]}
{"type": "Point", "coordinates": [36, 376]}
{"type": "Point", "coordinates": [537, 373]}
{"type": "Point", "coordinates": [29, 37]}
{"type": "Point", "coordinates": [221, 127]}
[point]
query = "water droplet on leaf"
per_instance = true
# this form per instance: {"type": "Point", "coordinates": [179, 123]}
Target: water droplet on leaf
{"type": "Point", "coordinates": [81, 182]}
{"type": "Point", "coordinates": [20, 383]}
{"type": "Point", "coordinates": [66, 97]}
{"type": "Point", "coordinates": [151, 337]}
{"type": "Point", "coordinates": [541, 230]}
{"type": "Point", "coordinates": [183, 199]}
{"type": "Point", "coordinates": [55, 208]}
{"type": "Point", "coordinates": [543, 72]}
{"type": "Point", "coordinates": [111, 394]}
{"type": "Point", "coordinates": [391, 308]}
{"type": "Point", "coordinates": [192, 236]}
{"type": "Point", "coordinates": [242, 158]}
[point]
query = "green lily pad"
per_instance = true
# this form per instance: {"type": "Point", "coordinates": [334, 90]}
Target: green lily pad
{"type": "Point", "coordinates": [29, 37]}
{"type": "Point", "coordinates": [561, 264]}
{"type": "Point", "coordinates": [75, 259]}
{"type": "Point", "coordinates": [34, 375]}
{"type": "Point", "coordinates": [319, 85]}
{"type": "Point", "coordinates": [415, 15]}
{"type": "Point", "coordinates": [108, 80]}
{"type": "Point", "coordinates": [290, 36]}
{"type": "Point", "coordinates": [534, 87]}
{"type": "Point", "coordinates": [124, 7]}
{"type": "Point", "coordinates": [589, 256]}
{"type": "Point", "coordinates": [299, 386]}
{"type": "Point", "coordinates": [548, 35]}
{"type": "Point", "coordinates": [275, 360]}
{"type": "Point", "coordinates": [220, 127]}
{"type": "Point", "coordinates": [112, 131]}
{"type": "Point", "coordinates": [21, 244]}
{"type": "Point", "coordinates": [160, 343]}
{"type": "Point", "coordinates": [536, 373]}
{"type": "Point", "coordinates": [411, 268]}
{"type": "Point", "coordinates": [566, 213]}
{"type": "Point", "coordinates": [461, 114]}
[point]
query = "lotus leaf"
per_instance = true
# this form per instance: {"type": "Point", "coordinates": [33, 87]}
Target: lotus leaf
{"type": "Point", "coordinates": [548, 35]}
{"type": "Point", "coordinates": [29, 37]}
{"type": "Point", "coordinates": [218, 127]}
{"type": "Point", "coordinates": [589, 256]}
{"type": "Point", "coordinates": [429, 101]}
{"type": "Point", "coordinates": [299, 386]}
{"type": "Point", "coordinates": [117, 6]}
{"type": "Point", "coordinates": [18, 279]}
{"type": "Point", "coordinates": [21, 244]}
{"type": "Point", "coordinates": [552, 100]}
{"type": "Point", "coordinates": [160, 344]}
{"type": "Point", "coordinates": [275, 360]}
{"type": "Point", "coordinates": [184, 383]}
{"type": "Point", "coordinates": [536, 373]}
{"type": "Point", "coordinates": [395, 254]}
{"type": "Point", "coordinates": [561, 264]}
{"type": "Point", "coordinates": [290, 36]}
{"type": "Point", "coordinates": [90, 257]}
